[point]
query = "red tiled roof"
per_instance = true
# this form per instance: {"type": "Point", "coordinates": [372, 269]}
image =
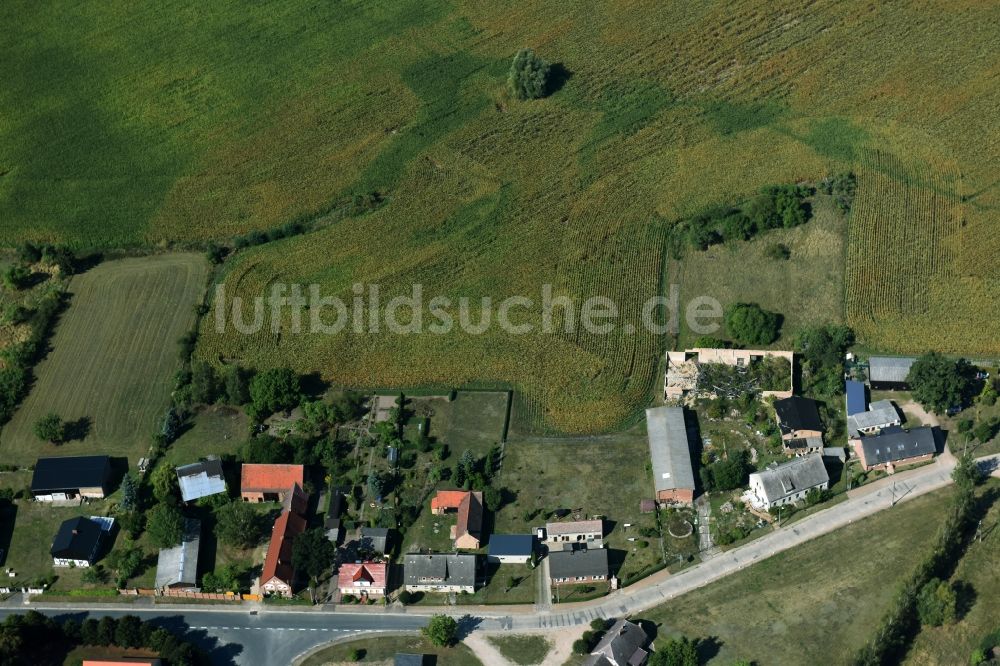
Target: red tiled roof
{"type": "Point", "coordinates": [270, 478]}
{"type": "Point", "coordinates": [374, 572]}
{"type": "Point", "coordinates": [470, 515]}
{"type": "Point", "coordinates": [278, 562]}
{"type": "Point", "coordinates": [448, 499]}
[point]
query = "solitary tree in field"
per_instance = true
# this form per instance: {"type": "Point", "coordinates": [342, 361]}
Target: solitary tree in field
{"type": "Point", "coordinates": [50, 428]}
{"type": "Point", "coordinates": [529, 75]}
{"type": "Point", "coordinates": [275, 389]}
{"type": "Point", "coordinates": [441, 631]}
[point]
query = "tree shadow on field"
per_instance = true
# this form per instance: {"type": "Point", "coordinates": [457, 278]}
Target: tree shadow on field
{"type": "Point", "coordinates": [313, 385]}
{"type": "Point", "coordinates": [708, 649]}
{"type": "Point", "coordinates": [558, 76]}
{"type": "Point", "coordinates": [78, 429]}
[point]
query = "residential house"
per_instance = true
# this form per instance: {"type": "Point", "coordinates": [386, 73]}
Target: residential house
{"type": "Point", "coordinates": [584, 565]}
{"type": "Point", "coordinates": [895, 448]}
{"type": "Point", "coordinates": [624, 644]}
{"type": "Point", "coordinates": [374, 540]}
{"type": "Point", "coordinates": [60, 479]}
{"type": "Point", "coordinates": [201, 479]}
{"type": "Point", "coordinates": [362, 579]}
{"type": "Point", "coordinates": [177, 566]}
{"type": "Point", "coordinates": [581, 532]}
{"type": "Point", "coordinates": [788, 482]}
{"type": "Point", "coordinates": [77, 542]}
{"type": "Point", "coordinates": [469, 504]}
{"type": "Point", "coordinates": [879, 416]}
{"type": "Point", "coordinates": [269, 483]}
{"type": "Point", "coordinates": [889, 373]}
{"type": "Point", "coordinates": [510, 548]}
{"type": "Point", "coordinates": [670, 452]}
{"type": "Point", "coordinates": [407, 659]}
{"type": "Point", "coordinates": [278, 576]}
{"type": "Point", "coordinates": [440, 572]}
{"type": "Point", "coordinates": [800, 425]}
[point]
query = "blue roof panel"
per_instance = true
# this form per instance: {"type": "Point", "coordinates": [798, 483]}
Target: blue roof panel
{"type": "Point", "coordinates": [511, 544]}
{"type": "Point", "coordinates": [856, 402]}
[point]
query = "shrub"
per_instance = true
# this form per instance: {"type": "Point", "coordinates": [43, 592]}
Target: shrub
{"type": "Point", "coordinates": [778, 251]}
{"type": "Point", "coordinates": [750, 324]}
{"type": "Point", "coordinates": [936, 603]}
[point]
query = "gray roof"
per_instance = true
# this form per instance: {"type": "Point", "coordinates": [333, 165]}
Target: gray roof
{"type": "Point", "coordinates": [889, 368]}
{"type": "Point", "coordinates": [201, 479]}
{"type": "Point", "coordinates": [793, 477]}
{"type": "Point", "coordinates": [406, 659]}
{"type": "Point", "coordinates": [879, 415]}
{"type": "Point", "coordinates": [622, 644]}
{"type": "Point", "coordinates": [898, 445]}
{"type": "Point", "coordinates": [440, 568]}
{"type": "Point", "coordinates": [179, 565]}
{"type": "Point", "coordinates": [669, 448]}
{"type": "Point", "coordinates": [511, 544]}
{"type": "Point", "coordinates": [374, 538]}
{"type": "Point", "coordinates": [572, 563]}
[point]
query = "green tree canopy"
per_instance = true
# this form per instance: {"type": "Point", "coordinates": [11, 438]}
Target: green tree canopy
{"type": "Point", "coordinates": [936, 603]}
{"type": "Point", "coordinates": [675, 652]}
{"type": "Point", "coordinates": [750, 324]}
{"type": "Point", "coordinates": [939, 383]}
{"type": "Point", "coordinates": [164, 482]}
{"type": "Point", "coordinates": [165, 525]}
{"type": "Point", "coordinates": [50, 428]}
{"type": "Point", "coordinates": [442, 630]}
{"type": "Point", "coordinates": [238, 524]}
{"type": "Point", "coordinates": [529, 75]}
{"type": "Point", "coordinates": [313, 554]}
{"type": "Point", "coordinates": [273, 390]}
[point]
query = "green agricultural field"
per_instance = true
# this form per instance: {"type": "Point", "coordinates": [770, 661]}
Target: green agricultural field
{"type": "Point", "coordinates": [137, 124]}
{"type": "Point", "coordinates": [381, 650]}
{"type": "Point", "coordinates": [817, 602]}
{"type": "Point", "coordinates": [113, 356]}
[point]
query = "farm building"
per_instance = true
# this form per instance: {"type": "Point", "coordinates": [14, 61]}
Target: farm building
{"type": "Point", "coordinates": [583, 565]}
{"type": "Point", "coordinates": [60, 479]}
{"type": "Point", "coordinates": [440, 572]}
{"type": "Point", "coordinates": [362, 579]}
{"type": "Point", "coordinates": [624, 644]}
{"type": "Point", "coordinates": [278, 576]}
{"type": "Point", "coordinates": [201, 479]}
{"type": "Point", "coordinates": [511, 548]}
{"type": "Point", "coordinates": [587, 532]}
{"type": "Point", "coordinates": [177, 566]}
{"type": "Point", "coordinates": [469, 506]}
{"type": "Point", "coordinates": [889, 373]}
{"type": "Point", "coordinates": [78, 541]}
{"type": "Point", "coordinates": [788, 482]}
{"type": "Point", "coordinates": [269, 483]}
{"type": "Point", "coordinates": [800, 425]}
{"type": "Point", "coordinates": [879, 416]}
{"type": "Point", "coordinates": [374, 540]}
{"type": "Point", "coordinates": [670, 452]}
{"type": "Point", "coordinates": [896, 448]}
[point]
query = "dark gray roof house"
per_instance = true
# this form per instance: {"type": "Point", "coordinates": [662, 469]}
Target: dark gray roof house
{"type": "Point", "coordinates": [670, 453]}
{"type": "Point", "coordinates": [796, 414]}
{"type": "Point", "coordinates": [201, 479]}
{"type": "Point", "coordinates": [511, 545]}
{"type": "Point", "coordinates": [375, 539]}
{"type": "Point", "coordinates": [407, 659]}
{"type": "Point", "coordinates": [71, 475]}
{"type": "Point", "coordinates": [77, 539]}
{"type": "Point", "coordinates": [440, 569]}
{"type": "Point", "coordinates": [788, 482]}
{"type": "Point", "coordinates": [582, 563]}
{"type": "Point", "coordinates": [624, 644]}
{"type": "Point", "coordinates": [891, 447]}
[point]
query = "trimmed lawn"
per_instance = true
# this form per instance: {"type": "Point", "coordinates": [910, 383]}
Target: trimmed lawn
{"type": "Point", "coordinates": [605, 476]}
{"type": "Point", "coordinates": [815, 603]}
{"type": "Point", "coordinates": [114, 353]}
{"type": "Point", "coordinates": [979, 606]}
{"type": "Point", "coordinates": [525, 650]}
{"type": "Point", "coordinates": [498, 589]}
{"type": "Point", "coordinates": [382, 650]}
{"type": "Point", "coordinates": [213, 430]}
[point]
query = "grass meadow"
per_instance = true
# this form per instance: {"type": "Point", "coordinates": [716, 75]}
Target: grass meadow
{"type": "Point", "coordinates": [139, 125]}
{"type": "Point", "coordinates": [817, 602]}
{"type": "Point", "coordinates": [113, 356]}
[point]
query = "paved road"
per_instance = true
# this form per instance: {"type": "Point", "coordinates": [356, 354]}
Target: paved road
{"type": "Point", "coordinates": [278, 636]}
